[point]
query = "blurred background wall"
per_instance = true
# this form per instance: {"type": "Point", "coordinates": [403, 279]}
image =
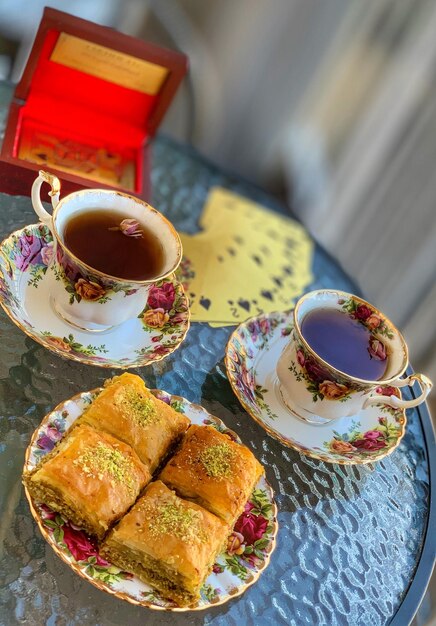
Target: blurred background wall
{"type": "Point", "coordinates": [328, 104]}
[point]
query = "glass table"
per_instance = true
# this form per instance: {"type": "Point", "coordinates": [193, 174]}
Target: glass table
{"type": "Point", "coordinates": [353, 546]}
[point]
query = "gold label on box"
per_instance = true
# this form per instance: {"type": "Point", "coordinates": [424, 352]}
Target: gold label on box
{"type": "Point", "coordinates": [111, 65]}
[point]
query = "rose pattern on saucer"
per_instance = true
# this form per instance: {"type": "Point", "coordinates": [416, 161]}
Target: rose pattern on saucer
{"type": "Point", "coordinates": [70, 344]}
{"type": "Point", "coordinates": [250, 360]}
{"type": "Point", "coordinates": [29, 250]}
{"type": "Point", "coordinates": [165, 310]}
{"type": "Point", "coordinates": [24, 259]}
{"type": "Point", "coordinates": [247, 552]}
{"type": "Point", "coordinates": [185, 272]}
{"type": "Point", "coordinates": [252, 392]}
{"type": "Point", "coordinates": [359, 444]}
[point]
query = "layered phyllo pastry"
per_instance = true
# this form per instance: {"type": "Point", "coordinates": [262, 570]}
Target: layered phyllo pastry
{"type": "Point", "coordinates": [168, 543]}
{"type": "Point", "coordinates": [127, 410]}
{"type": "Point", "coordinates": [213, 471]}
{"type": "Point", "coordinates": [90, 478]}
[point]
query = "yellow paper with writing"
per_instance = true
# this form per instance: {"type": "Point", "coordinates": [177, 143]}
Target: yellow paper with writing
{"type": "Point", "coordinates": [246, 261]}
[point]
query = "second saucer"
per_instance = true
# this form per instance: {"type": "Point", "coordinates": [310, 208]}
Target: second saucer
{"type": "Point", "coordinates": [251, 357]}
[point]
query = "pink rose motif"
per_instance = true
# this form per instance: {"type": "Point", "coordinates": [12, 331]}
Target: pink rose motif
{"type": "Point", "coordinates": [253, 329]}
{"type": "Point", "coordinates": [29, 252]}
{"type": "Point", "coordinates": [264, 326]}
{"type": "Point", "coordinates": [71, 270]}
{"type": "Point", "coordinates": [372, 434]}
{"type": "Point", "coordinates": [362, 312]}
{"type": "Point", "coordinates": [80, 546]}
{"type": "Point", "coordinates": [47, 512]}
{"type": "Point", "coordinates": [373, 321]}
{"type": "Point", "coordinates": [377, 349]}
{"type": "Point", "coordinates": [160, 350]}
{"type": "Point", "coordinates": [162, 297]}
{"type": "Point", "coordinates": [217, 569]}
{"type": "Point", "coordinates": [178, 318]}
{"type": "Point", "coordinates": [372, 440]}
{"type": "Point", "coordinates": [387, 391]}
{"type": "Point", "coordinates": [252, 527]}
{"type": "Point", "coordinates": [130, 227]}
{"type": "Point", "coordinates": [45, 443]}
{"type": "Point", "coordinates": [300, 357]}
{"type": "Point", "coordinates": [317, 373]}
{"type": "Point", "coordinates": [48, 440]}
{"type": "Point", "coordinates": [382, 421]}
{"type": "Point", "coordinates": [47, 254]}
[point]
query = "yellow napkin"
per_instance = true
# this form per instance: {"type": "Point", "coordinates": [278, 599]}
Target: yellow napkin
{"type": "Point", "coordinates": [246, 261]}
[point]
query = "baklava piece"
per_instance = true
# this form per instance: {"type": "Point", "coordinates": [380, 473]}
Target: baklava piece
{"type": "Point", "coordinates": [91, 478]}
{"type": "Point", "coordinates": [127, 410]}
{"type": "Point", "coordinates": [213, 471]}
{"type": "Point", "coordinates": [167, 542]}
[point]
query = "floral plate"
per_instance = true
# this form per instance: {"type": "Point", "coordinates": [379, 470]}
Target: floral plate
{"type": "Point", "coordinates": [249, 546]}
{"type": "Point", "coordinates": [24, 294]}
{"type": "Point", "coordinates": [251, 356]}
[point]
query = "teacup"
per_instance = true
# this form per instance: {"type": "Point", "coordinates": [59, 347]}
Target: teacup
{"type": "Point", "coordinates": [318, 392]}
{"type": "Point", "coordinates": [83, 296]}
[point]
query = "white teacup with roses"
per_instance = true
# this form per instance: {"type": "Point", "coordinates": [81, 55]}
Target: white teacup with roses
{"type": "Point", "coordinates": [317, 392]}
{"type": "Point", "coordinates": [80, 294]}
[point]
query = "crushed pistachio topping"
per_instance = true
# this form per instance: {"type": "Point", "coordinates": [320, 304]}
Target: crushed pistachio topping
{"type": "Point", "coordinates": [141, 409]}
{"type": "Point", "coordinates": [217, 460]}
{"type": "Point", "coordinates": [172, 518]}
{"type": "Point", "coordinates": [102, 460]}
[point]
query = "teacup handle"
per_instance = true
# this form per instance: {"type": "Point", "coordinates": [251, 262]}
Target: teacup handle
{"type": "Point", "coordinates": [424, 383]}
{"type": "Point", "coordinates": [55, 184]}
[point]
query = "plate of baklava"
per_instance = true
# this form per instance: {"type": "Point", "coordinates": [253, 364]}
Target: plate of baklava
{"type": "Point", "coordinates": [149, 497]}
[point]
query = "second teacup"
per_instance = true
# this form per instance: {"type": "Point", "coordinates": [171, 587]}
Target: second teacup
{"type": "Point", "coordinates": [319, 390]}
{"type": "Point", "coordinates": [87, 297]}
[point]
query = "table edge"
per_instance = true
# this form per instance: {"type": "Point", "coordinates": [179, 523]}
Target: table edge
{"type": "Point", "coordinates": [421, 578]}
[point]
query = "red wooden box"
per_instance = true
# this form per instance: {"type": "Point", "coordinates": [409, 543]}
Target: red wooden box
{"type": "Point", "coordinates": [89, 101]}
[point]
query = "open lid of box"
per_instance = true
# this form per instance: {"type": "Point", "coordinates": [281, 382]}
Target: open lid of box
{"type": "Point", "coordinates": [102, 71]}
{"type": "Point", "coordinates": [88, 102]}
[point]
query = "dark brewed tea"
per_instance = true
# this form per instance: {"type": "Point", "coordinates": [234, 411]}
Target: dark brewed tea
{"type": "Point", "coordinates": [343, 342]}
{"type": "Point", "coordinates": [95, 237]}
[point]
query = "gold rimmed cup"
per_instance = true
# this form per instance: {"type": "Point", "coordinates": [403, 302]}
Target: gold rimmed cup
{"type": "Point", "coordinates": [82, 295]}
{"type": "Point", "coordinates": [316, 391]}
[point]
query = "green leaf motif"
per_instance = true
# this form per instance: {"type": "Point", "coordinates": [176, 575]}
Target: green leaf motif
{"type": "Point", "coordinates": [236, 567]}
{"type": "Point", "coordinates": [261, 502]}
{"type": "Point", "coordinates": [178, 405]}
{"type": "Point", "coordinates": [209, 593]}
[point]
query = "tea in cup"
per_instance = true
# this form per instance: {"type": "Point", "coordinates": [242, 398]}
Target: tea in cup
{"type": "Point", "coordinates": [343, 355]}
{"type": "Point", "coordinates": [109, 249]}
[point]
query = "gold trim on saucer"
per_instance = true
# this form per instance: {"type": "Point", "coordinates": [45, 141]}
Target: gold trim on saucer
{"type": "Point", "coordinates": [278, 436]}
{"type": "Point", "coordinates": [119, 594]}
{"type": "Point", "coordinates": [78, 358]}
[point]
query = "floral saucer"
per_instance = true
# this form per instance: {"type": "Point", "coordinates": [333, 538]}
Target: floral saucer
{"type": "Point", "coordinates": [25, 296]}
{"type": "Point", "coordinates": [247, 552]}
{"type": "Point", "coordinates": [251, 357]}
